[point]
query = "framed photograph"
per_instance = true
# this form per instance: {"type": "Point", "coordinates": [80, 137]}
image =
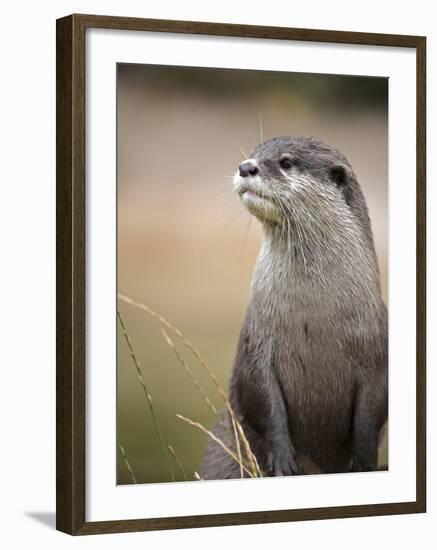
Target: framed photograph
{"type": "Point", "coordinates": [240, 274]}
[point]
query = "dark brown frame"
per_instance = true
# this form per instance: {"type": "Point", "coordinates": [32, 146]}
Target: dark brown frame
{"type": "Point", "coordinates": [70, 275]}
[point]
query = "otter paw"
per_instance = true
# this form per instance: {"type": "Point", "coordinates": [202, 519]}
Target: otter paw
{"type": "Point", "coordinates": [282, 463]}
{"type": "Point", "coordinates": [362, 465]}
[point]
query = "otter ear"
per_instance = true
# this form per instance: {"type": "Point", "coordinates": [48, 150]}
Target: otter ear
{"type": "Point", "coordinates": [339, 174]}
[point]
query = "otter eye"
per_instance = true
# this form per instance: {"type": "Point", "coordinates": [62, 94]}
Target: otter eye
{"type": "Point", "coordinates": [286, 163]}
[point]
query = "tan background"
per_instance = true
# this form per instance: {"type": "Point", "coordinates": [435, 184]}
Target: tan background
{"type": "Point", "coordinates": [185, 245]}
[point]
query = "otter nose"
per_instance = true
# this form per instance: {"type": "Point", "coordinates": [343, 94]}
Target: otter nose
{"type": "Point", "coordinates": [248, 168]}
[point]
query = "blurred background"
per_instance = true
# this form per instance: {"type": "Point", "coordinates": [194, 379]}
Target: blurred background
{"type": "Point", "coordinates": [186, 246]}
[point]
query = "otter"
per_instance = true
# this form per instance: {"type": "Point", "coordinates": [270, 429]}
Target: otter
{"type": "Point", "coordinates": [309, 381]}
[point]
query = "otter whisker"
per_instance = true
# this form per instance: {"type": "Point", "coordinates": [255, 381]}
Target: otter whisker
{"type": "Point", "coordinates": [252, 137]}
{"type": "Point", "coordinates": [242, 151]}
{"type": "Point", "coordinates": [249, 223]}
{"type": "Point", "coordinates": [260, 123]}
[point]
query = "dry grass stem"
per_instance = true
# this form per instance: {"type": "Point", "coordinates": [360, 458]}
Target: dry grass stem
{"type": "Point", "coordinates": [250, 455]}
{"type": "Point", "coordinates": [189, 371]}
{"type": "Point", "coordinates": [179, 334]}
{"type": "Point", "coordinates": [216, 439]}
{"type": "Point", "coordinates": [237, 444]}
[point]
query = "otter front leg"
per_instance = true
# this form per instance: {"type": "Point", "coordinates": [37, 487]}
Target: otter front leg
{"type": "Point", "coordinates": [262, 406]}
{"type": "Point", "coordinates": [259, 399]}
{"type": "Point", "coordinates": [370, 414]}
{"type": "Point", "coordinates": [281, 460]}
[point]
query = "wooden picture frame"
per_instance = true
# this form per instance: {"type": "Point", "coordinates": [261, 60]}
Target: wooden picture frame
{"type": "Point", "coordinates": [71, 274]}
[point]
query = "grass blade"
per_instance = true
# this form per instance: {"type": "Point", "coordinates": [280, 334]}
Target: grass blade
{"type": "Point", "coordinates": [178, 462]}
{"type": "Point", "coordinates": [146, 393]}
{"type": "Point", "coordinates": [127, 464]}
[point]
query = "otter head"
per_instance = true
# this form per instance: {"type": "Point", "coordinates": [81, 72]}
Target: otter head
{"type": "Point", "coordinates": [299, 179]}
